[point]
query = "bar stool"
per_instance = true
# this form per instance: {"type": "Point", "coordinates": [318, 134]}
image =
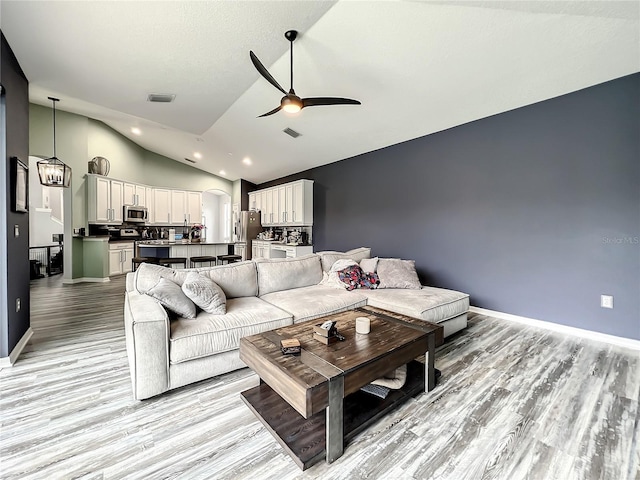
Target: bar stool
{"type": "Point", "coordinates": [229, 258]}
{"type": "Point", "coordinates": [202, 259]}
{"type": "Point", "coordinates": [167, 262]}
{"type": "Point", "coordinates": [136, 261]}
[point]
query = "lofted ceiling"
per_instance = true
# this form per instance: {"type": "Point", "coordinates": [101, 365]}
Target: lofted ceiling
{"type": "Point", "coordinates": [418, 67]}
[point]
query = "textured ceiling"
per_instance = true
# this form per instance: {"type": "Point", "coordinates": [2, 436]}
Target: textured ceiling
{"type": "Point", "coordinates": [418, 67]}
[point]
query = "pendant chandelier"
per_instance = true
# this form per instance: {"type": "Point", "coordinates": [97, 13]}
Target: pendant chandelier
{"type": "Point", "coordinates": [52, 171]}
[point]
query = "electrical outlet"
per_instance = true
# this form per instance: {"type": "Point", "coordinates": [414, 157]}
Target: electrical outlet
{"type": "Point", "coordinates": [18, 305]}
{"type": "Point", "coordinates": [606, 301]}
{"type": "Point", "coordinates": [16, 230]}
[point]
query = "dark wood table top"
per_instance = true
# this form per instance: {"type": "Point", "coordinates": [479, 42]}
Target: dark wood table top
{"type": "Point", "coordinates": [302, 380]}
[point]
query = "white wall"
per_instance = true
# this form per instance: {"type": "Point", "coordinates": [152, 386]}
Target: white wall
{"type": "Point", "coordinates": [46, 215]}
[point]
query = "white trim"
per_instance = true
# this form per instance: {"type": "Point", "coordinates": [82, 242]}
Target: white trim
{"type": "Point", "coordinates": [17, 350]}
{"type": "Point", "coordinates": [69, 281]}
{"type": "Point", "coordinates": [578, 332]}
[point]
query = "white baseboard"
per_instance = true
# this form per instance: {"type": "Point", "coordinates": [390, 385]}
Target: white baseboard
{"type": "Point", "coordinates": [69, 281]}
{"type": "Point", "coordinates": [17, 350]}
{"type": "Point", "coordinates": [578, 332]}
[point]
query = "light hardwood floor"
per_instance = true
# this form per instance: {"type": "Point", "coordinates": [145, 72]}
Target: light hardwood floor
{"type": "Point", "coordinates": [513, 403]}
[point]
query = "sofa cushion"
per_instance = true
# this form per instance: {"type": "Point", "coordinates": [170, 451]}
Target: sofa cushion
{"type": "Point", "coordinates": [315, 301]}
{"type": "Point", "coordinates": [147, 276]}
{"type": "Point", "coordinates": [205, 293]}
{"type": "Point", "coordinates": [429, 303]}
{"type": "Point", "coordinates": [396, 273]}
{"type": "Point", "coordinates": [172, 297]}
{"type": "Point", "coordinates": [278, 274]}
{"type": "Point", "coordinates": [209, 334]}
{"type": "Point", "coordinates": [328, 258]}
{"type": "Point", "coordinates": [236, 279]}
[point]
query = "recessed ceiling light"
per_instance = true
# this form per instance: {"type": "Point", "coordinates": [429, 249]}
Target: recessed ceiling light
{"type": "Point", "coordinates": [136, 131]}
{"type": "Point", "coordinates": [222, 172]}
{"type": "Point", "coordinates": [246, 161]}
{"type": "Point", "coordinates": [198, 155]}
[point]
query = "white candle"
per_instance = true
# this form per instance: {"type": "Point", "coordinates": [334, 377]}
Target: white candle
{"type": "Point", "coordinates": [363, 325]}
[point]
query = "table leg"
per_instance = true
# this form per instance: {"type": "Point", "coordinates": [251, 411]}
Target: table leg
{"type": "Point", "coordinates": [429, 365]}
{"type": "Point", "coordinates": [335, 419]}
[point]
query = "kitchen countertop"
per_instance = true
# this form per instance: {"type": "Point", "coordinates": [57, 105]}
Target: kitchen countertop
{"type": "Point", "coordinates": [167, 243]}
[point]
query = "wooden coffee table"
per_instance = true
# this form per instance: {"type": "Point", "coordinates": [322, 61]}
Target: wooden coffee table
{"type": "Point", "coordinates": [312, 403]}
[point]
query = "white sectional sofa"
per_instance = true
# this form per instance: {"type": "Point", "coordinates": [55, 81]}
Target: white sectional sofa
{"type": "Point", "coordinates": [166, 351]}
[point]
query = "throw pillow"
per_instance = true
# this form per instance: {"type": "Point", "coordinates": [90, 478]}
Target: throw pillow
{"type": "Point", "coordinates": [172, 297]}
{"type": "Point", "coordinates": [369, 265]}
{"type": "Point", "coordinates": [369, 280]}
{"type": "Point", "coordinates": [351, 276]}
{"type": "Point", "coordinates": [329, 258]}
{"type": "Point", "coordinates": [396, 273]}
{"type": "Point", "coordinates": [147, 276]}
{"type": "Point", "coordinates": [205, 293]}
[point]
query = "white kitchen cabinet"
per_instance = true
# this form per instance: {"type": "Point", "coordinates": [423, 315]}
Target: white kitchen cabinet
{"type": "Point", "coordinates": [135, 195]}
{"type": "Point", "coordinates": [269, 207]}
{"type": "Point", "coordinates": [282, 205]}
{"type": "Point", "coordinates": [263, 206]}
{"type": "Point", "coordinates": [194, 207]}
{"type": "Point", "coordinates": [289, 251]}
{"type": "Point", "coordinates": [120, 256]}
{"type": "Point", "coordinates": [253, 202]}
{"type": "Point", "coordinates": [148, 202]}
{"type": "Point", "coordinates": [104, 200]}
{"type": "Point", "coordinates": [290, 204]}
{"type": "Point", "coordinates": [261, 249]}
{"type": "Point", "coordinates": [178, 207]}
{"type": "Point", "coordinates": [161, 206]}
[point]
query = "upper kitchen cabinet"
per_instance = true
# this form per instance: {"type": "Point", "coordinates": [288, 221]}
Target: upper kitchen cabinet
{"type": "Point", "coordinates": [289, 204]}
{"type": "Point", "coordinates": [194, 207]}
{"type": "Point", "coordinates": [175, 207]}
{"type": "Point", "coordinates": [161, 206]}
{"type": "Point", "coordinates": [135, 195]}
{"type": "Point", "coordinates": [178, 207]}
{"type": "Point", "coordinates": [105, 199]}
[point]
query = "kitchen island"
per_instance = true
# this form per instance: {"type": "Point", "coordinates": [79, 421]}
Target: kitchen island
{"type": "Point", "coordinates": [166, 249]}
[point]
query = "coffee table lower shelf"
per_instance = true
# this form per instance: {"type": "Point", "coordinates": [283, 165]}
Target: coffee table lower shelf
{"type": "Point", "coordinates": [304, 438]}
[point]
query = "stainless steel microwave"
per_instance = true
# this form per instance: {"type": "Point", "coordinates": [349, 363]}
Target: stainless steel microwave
{"type": "Point", "coordinates": [135, 214]}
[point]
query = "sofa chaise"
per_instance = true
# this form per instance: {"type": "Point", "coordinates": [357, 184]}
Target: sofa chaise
{"type": "Point", "coordinates": [167, 351]}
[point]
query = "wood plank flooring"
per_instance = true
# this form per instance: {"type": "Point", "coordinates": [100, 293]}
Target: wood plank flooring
{"type": "Point", "coordinates": [513, 402]}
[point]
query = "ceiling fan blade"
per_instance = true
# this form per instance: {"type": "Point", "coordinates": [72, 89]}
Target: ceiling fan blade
{"type": "Point", "coordinates": [263, 71]}
{"type": "Point", "coordinates": [315, 101]}
{"type": "Point", "coordinates": [275, 110]}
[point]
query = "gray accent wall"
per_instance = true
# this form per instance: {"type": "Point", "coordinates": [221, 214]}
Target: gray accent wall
{"type": "Point", "coordinates": [14, 251]}
{"type": "Point", "coordinates": [534, 212]}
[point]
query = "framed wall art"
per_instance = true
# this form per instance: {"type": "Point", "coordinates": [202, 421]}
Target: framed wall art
{"type": "Point", "coordinates": [19, 186]}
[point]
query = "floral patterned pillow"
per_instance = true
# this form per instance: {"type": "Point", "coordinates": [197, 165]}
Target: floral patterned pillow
{"type": "Point", "coordinates": [353, 277]}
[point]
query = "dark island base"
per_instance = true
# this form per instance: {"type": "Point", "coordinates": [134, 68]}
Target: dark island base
{"type": "Point", "coordinates": [304, 439]}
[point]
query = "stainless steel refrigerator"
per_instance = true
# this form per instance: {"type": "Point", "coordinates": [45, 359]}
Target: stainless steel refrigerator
{"type": "Point", "coordinates": [246, 230]}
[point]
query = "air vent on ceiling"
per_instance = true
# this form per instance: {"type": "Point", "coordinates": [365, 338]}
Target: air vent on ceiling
{"type": "Point", "coordinates": [291, 132]}
{"type": "Point", "coordinates": [189, 160]}
{"type": "Point", "coordinates": [160, 97]}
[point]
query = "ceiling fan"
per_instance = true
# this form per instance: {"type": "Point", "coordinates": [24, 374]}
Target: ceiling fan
{"type": "Point", "coordinates": [291, 102]}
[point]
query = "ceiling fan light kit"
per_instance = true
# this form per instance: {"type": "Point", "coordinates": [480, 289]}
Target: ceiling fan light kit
{"type": "Point", "coordinates": [292, 103]}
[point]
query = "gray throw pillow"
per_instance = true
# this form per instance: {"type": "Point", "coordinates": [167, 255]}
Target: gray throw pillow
{"type": "Point", "coordinates": [172, 297]}
{"type": "Point", "coordinates": [329, 258]}
{"type": "Point", "coordinates": [396, 273]}
{"type": "Point", "coordinates": [369, 265]}
{"type": "Point", "coordinates": [205, 293]}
